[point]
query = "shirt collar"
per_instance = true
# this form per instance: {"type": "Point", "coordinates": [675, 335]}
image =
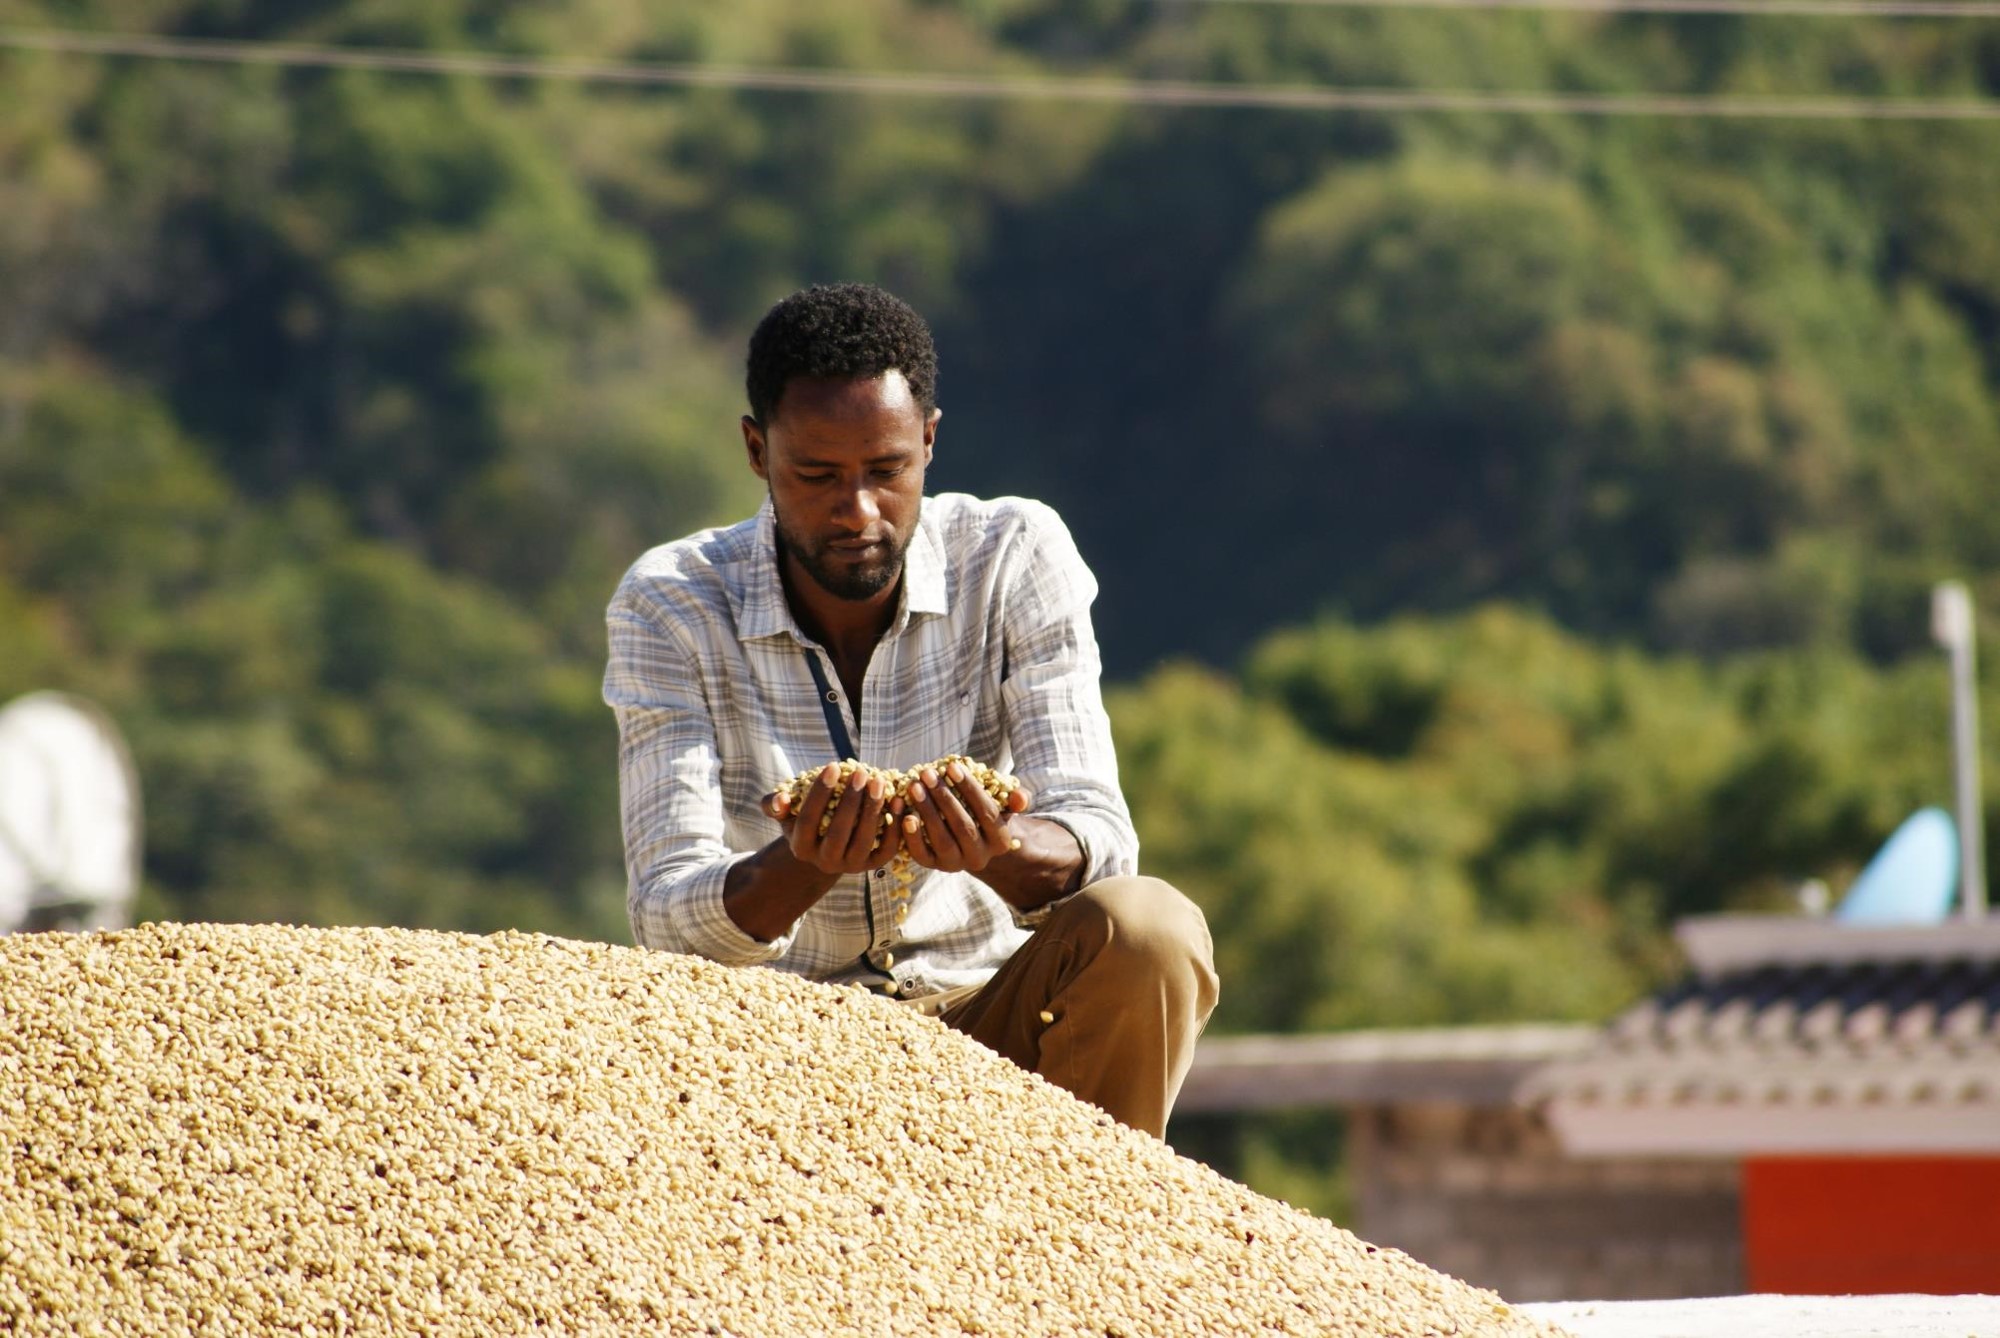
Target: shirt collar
{"type": "Point", "coordinates": [761, 610]}
{"type": "Point", "coordinates": [924, 588]}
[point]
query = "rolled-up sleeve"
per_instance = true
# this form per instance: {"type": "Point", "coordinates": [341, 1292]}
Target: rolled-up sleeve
{"type": "Point", "coordinates": [670, 793]}
{"type": "Point", "coordinates": [1058, 730]}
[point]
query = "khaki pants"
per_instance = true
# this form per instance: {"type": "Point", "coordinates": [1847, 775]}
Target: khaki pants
{"type": "Point", "coordinates": [1126, 971]}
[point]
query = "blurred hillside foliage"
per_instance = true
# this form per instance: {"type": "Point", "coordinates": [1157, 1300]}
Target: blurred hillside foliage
{"type": "Point", "coordinates": [1515, 531]}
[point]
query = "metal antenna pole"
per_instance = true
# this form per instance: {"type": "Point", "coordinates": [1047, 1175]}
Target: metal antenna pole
{"type": "Point", "coordinates": [1952, 626]}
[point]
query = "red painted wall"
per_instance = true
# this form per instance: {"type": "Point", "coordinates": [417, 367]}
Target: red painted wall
{"type": "Point", "coordinates": [1832, 1226]}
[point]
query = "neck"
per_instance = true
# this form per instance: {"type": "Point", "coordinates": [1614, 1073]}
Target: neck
{"type": "Point", "coordinates": [847, 627]}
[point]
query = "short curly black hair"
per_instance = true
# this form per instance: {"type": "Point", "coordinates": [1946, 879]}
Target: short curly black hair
{"type": "Point", "coordinates": [844, 330]}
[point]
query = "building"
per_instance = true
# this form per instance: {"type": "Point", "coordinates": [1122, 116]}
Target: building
{"type": "Point", "coordinates": [1815, 1109]}
{"type": "Point", "coordinates": [1851, 1076]}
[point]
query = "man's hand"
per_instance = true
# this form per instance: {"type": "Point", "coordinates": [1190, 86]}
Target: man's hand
{"type": "Point", "coordinates": [951, 824]}
{"type": "Point", "coordinates": [844, 847]}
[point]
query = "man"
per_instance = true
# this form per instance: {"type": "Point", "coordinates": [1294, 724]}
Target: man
{"type": "Point", "coordinates": [853, 616]}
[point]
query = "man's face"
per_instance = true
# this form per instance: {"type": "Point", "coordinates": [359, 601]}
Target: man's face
{"type": "Point", "coordinates": [845, 461]}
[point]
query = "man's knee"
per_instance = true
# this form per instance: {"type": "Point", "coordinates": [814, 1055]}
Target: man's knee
{"type": "Point", "coordinates": [1149, 917]}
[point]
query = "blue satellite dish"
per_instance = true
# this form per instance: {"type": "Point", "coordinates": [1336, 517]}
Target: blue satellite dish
{"type": "Point", "coordinates": [1912, 877]}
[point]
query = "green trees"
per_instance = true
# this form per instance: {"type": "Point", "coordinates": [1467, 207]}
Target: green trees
{"type": "Point", "coordinates": [327, 728]}
{"type": "Point", "coordinates": [1482, 817]}
{"type": "Point", "coordinates": [1713, 442]}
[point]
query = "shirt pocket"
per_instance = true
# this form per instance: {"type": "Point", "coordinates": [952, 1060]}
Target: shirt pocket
{"type": "Point", "coordinates": [983, 734]}
{"type": "Point", "coordinates": [948, 729]}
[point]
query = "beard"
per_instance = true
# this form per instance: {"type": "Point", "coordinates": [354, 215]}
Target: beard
{"type": "Point", "coordinates": [838, 576]}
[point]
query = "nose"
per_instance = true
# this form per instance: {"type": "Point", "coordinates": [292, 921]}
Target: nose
{"type": "Point", "coordinates": [857, 508]}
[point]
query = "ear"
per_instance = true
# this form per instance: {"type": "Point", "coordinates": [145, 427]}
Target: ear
{"type": "Point", "coordinates": [930, 434]}
{"type": "Point", "coordinates": [757, 448]}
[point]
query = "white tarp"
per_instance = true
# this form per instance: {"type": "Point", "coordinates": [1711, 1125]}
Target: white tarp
{"type": "Point", "coordinates": [69, 813]}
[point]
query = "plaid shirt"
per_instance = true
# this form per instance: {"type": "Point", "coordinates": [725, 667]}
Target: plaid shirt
{"type": "Point", "coordinates": [990, 655]}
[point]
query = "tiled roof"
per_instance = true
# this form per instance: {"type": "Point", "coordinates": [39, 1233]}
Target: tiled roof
{"type": "Point", "coordinates": [1863, 1031]}
{"type": "Point", "coordinates": [1911, 1035]}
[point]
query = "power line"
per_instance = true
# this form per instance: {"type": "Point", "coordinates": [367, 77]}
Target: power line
{"type": "Point", "coordinates": [1131, 92]}
{"type": "Point", "coordinates": [1890, 9]}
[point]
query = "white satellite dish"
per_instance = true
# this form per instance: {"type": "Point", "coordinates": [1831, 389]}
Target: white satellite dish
{"type": "Point", "coordinates": [69, 817]}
